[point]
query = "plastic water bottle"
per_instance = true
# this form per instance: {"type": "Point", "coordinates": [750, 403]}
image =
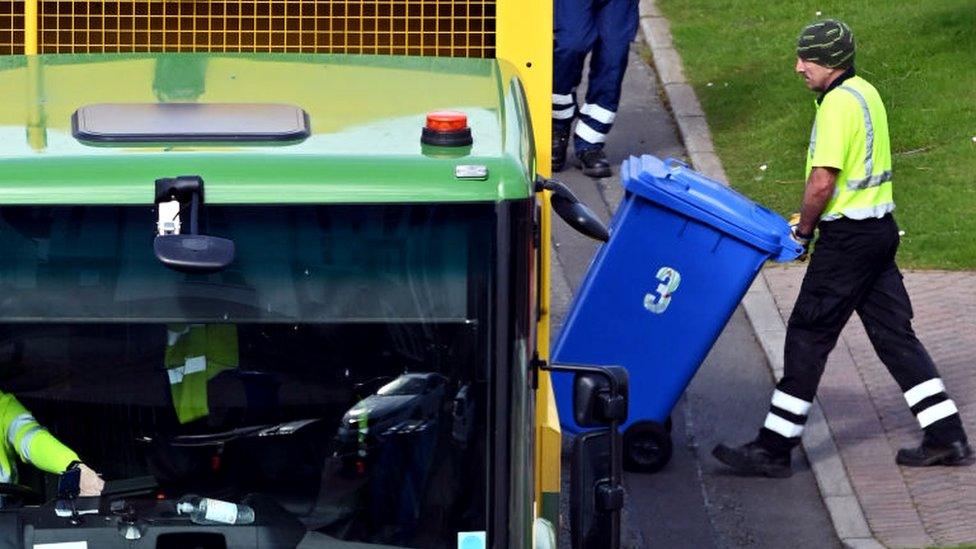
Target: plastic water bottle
{"type": "Point", "coordinates": [214, 511]}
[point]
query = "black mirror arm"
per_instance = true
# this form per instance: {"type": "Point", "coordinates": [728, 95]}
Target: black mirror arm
{"type": "Point", "coordinates": [556, 186]}
{"type": "Point", "coordinates": [572, 210]}
{"type": "Point", "coordinates": [184, 189]}
{"type": "Point", "coordinates": [612, 496]}
{"type": "Point", "coordinates": [194, 213]}
{"type": "Point", "coordinates": [585, 369]}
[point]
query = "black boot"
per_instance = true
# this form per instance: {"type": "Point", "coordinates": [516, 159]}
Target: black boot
{"type": "Point", "coordinates": [927, 454]}
{"type": "Point", "coordinates": [560, 140]}
{"type": "Point", "coordinates": [594, 163]}
{"type": "Point", "coordinates": [754, 460]}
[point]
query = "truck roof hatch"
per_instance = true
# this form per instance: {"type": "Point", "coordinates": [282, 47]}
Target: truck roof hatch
{"type": "Point", "coordinates": [189, 122]}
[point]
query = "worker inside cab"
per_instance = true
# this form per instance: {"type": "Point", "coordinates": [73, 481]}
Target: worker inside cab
{"type": "Point", "coordinates": [25, 438]}
{"type": "Point", "coordinates": [195, 354]}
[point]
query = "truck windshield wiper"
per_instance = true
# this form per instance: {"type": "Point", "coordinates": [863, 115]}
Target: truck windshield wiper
{"type": "Point", "coordinates": [211, 439]}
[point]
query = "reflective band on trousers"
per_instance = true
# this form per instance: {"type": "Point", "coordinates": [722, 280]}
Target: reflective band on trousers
{"type": "Point", "coordinates": [790, 403]}
{"type": "Point", "coordinates": [564, 114]}
{"type": "Point", "coordinates": [870, 180]}
{"type": "Point", "coordinates": [598, 113]}
{"type": "Point", "coordinates": [936, 412]}
{"type": "Point", "coordinates": [562, 99]}
{"type": "Point", "coordinates": [779, 425]}
{"type": "Point", "coordinates": [923, 391]}
{"type": "Point", "coordinates": [588, 134]}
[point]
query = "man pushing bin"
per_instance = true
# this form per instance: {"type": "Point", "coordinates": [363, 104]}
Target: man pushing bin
{"type": "Point", "coordinates": [848, 196]}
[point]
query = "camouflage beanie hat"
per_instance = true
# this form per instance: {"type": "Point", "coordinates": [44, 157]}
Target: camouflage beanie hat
{"type": "Point", "coordinates": [829, 43]}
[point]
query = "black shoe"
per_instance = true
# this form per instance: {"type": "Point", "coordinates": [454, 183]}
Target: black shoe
{"type": "Point", "coordinates": [956, 453]}
{"type": "Point", "coordinates": [593, 163]}
{"type": "Point", "coordinates": [754, 460]}
{"type": "Point", "coordinates": [560, 140]}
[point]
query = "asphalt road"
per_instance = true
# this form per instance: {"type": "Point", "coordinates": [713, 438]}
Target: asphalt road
{"type": "Point", "coordinates": [694, 502]}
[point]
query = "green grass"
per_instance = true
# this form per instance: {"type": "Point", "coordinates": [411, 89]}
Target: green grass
{"type": "Point", "coordinates": [920, 54]}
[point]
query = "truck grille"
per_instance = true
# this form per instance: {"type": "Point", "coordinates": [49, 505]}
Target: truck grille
{"type": "Point", "coordinates": [11, 28]}
{"type": "Point", "coordinates": [445, 28]}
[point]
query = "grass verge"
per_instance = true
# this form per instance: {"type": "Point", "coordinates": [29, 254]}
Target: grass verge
{"type": "Point", "coordinates": [739, 56]}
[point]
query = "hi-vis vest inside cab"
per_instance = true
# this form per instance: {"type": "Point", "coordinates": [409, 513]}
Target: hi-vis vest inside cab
{"type": "Point", "coordinates": [850, 133]}
{"type": "Point", "coordinates": [195, 354]}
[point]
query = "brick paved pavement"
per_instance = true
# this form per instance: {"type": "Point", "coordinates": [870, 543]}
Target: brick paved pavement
{"type": "Point", "coordinates": [870, 421]}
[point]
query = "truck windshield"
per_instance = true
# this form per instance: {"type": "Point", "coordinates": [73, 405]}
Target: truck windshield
{"type": "Point", "coordinates": [340, 365]}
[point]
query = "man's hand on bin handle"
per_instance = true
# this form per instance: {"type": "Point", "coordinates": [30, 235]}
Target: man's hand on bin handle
{"type": "Point", "coordinates": [802, 239]}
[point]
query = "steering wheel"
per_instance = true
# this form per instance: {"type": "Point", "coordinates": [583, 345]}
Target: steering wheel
{"type": "Point", "coordinates": [24, 494]}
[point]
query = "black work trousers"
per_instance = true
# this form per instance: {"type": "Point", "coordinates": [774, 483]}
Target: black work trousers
{"type": "Point", "coordinates": [853, 269]}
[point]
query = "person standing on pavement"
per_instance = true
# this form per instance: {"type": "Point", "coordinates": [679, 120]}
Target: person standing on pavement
{"type": "Point", "coordinates": [605, 28]}
{"type": "Point", "coordinates": [848, 196]}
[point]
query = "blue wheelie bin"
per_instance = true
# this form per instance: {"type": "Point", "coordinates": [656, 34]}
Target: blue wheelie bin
{"type": "Point", "coordinates": [683, 251]}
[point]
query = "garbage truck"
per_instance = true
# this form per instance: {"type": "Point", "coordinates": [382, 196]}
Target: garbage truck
{"type": "Point", "coordinates": [289, 256]}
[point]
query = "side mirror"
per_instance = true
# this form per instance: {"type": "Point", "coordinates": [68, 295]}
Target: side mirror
{"type": "Point", "coordinates": [594, 403]}
{"type": "Point", "coordinates": [576, 214]}
{"type": "Point", "coordinates": [595, 500]}
{"type": "Point", "coordinates": [192, 253]}
{"type": "Point", "coordinates": [599, 400]}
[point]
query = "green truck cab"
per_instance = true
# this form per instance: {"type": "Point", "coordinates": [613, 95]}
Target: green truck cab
{"type": "Point", "coordinates": [245, 277]}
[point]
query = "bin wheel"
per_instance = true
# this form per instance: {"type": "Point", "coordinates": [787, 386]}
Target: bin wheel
{"type": "Point", "coordinates": [647, 447]}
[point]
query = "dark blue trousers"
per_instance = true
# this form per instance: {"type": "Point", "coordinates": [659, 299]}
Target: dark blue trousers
{"type": "Point", "coordinates": [605, 28]}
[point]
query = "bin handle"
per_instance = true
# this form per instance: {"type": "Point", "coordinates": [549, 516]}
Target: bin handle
{"type": "Point", "coordinates": [789, 250]}
{"type": "Point", "coordinates": [671, 161]}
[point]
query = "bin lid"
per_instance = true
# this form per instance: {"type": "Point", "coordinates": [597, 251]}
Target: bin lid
{"type": "Point", "coordinates": [672, 184]}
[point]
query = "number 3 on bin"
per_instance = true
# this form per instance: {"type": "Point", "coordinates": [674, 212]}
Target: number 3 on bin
{"type": "Point", "coordinates": [658, 302]}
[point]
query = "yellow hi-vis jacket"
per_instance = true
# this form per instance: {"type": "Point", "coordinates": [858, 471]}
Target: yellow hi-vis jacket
{"type": "Point", "coordinates": [850, 134]}
{"type": "Point", "coordinates": [24, 437]}
{"type": "Point", "coordinates": [195, 353]}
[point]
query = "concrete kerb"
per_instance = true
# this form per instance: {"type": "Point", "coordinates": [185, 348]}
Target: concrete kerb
{"type": "Point", "coordinates": [760, 307]}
